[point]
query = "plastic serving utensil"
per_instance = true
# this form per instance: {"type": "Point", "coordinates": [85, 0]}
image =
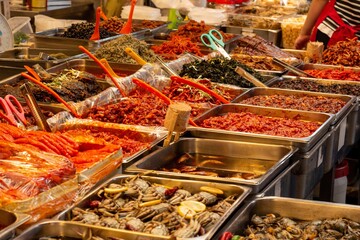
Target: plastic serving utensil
{"type": "Point", "coordinates": [135, 56]}
{"type": "Point", "coordinates": [109, 68]}
{"type": "Point", "coordinates": [126, 29]}
{"type": "Point", "coordinates": [96, 34]}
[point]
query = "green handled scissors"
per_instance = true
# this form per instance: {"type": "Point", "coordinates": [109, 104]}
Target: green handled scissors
{"type": "Point", "coordinates": [214, 41]}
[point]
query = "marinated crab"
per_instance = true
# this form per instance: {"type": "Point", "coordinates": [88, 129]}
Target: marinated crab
{"type": "Point", "coordinates": [139, 205]}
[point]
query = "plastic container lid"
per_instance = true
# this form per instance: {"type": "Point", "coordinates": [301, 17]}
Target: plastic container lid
{"type": "Point", "coordinates": [342, 169]}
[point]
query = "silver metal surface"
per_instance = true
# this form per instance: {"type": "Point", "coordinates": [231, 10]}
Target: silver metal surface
{"type": "Point", "coordinates": [9, 222]}
{"type": "Point", "coordinates": [74, 230]}
{"type": "Point", "coordinates": [298, 209]}
{"type": "Point", "coordinates": [6, 71]}
{"type": "Point", "coordinates": [281, 185]}
{"type": "Point", "coordinates": [308, 173]}
{"type": "Point", "coordinates": [273, 36]}
{"type": "Point", "coordinates": [34, 108]}
{"type": "Point", "coordinates": [350, 100]}
{"type": "Point", "coordinates": [51, 39]}
{"type": "Point", "coordinates": [310, 66]}
{"type": "Point", "coordinates": [304, 144]}
{"type": "Point", "coordinates": [18, 57]}
{"type": "Point", "coordinates": [291, 68]}
{"type": "Point", "coordinates": [189, 185]}
{"type": "Point", "coordinates": [237, 156]}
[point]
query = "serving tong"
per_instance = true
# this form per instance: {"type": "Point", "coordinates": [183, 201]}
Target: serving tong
{"type": "Point", "coordinates": [291, 68]}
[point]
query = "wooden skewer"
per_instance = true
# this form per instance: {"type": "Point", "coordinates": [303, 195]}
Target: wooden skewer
{"type": "Point", "coordinates": [52, 92]}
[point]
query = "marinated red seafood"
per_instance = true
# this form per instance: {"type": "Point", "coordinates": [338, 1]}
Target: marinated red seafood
{"type": "Point", "coordinates": [176, 46]}
{"type": "Point", "coordinates": [306, 103]}
{"type": "Point", "coordinates": [253, 123]}
{"type": "Point", "coordinates": [193, 30]}
{"type": "Point", "coordinates": [335, 74]}
{"type": "Point", "coordinates": [142, 108]}
{"type": "Point", "coordinates": [25, 173]}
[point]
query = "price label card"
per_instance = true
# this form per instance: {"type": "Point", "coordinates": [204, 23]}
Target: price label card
{"type": "Point", "coordinates": [320, 157]}
{"type": "Point", "coordinates": [278, 189]}
{"type": "Point", "coordinates": [342, 135]}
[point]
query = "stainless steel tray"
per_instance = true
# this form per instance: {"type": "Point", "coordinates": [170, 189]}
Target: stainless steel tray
{"type": "Point", "coordinates": [350, 100]}
{"type": "Point", "coordinates": [6, 71]}
{"type": "Point", "coordinates": [310, 66]}
{"type": "Point", "coordinates": [310, 170]}
{"type": "Point", "coordinates": [304, 144]}
{"type": "Point", "coordinates": [18, 57]}
{"type": "Point", "coordinates": [190, 185]}
{"type": "Point", "coordinates": [281, 185]}
{"type": "Point", "coordinates": [50, 39]}
{"type": "Point", "coordinates": [9, 222]}
{"type": "Point", "coordinates": [287, 207]}
{"type": "Point", "coordinates": [73, 230]}
{"type": "Point", "coordinates": [238, 155]}
{"type": "Point", "coordinates": [273, 36]}
{"type": "Point", "coordinates": [90, 66]}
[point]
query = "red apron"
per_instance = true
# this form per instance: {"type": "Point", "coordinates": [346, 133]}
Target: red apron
{"type": "Point", "coordinates": [344, 30]}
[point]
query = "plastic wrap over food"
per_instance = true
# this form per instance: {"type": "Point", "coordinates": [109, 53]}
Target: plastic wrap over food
{"type": "Point", "coordinates": [30, 179]}
{"type": "Point", "coordinates": [178, 64]}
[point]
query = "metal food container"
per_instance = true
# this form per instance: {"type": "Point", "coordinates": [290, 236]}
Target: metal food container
{"type": "Point", "coordinates": [350, 100]}
{"type": "Point", "coordinates": [304, 144]}
{"type": "Point", "coordinates": [73, 230]}
{"type": "Point", "coordinates": [90, 66]}
{"type": "Point", "coordinates": [298, 209]}
{"type": "Point", "coordinates": [281, 185]}
{"type": "Point", "coordinates": [340, 121]}
{"type": "Point", "coordinates": [351, 128]}
{"type": "Point", "coordinates": [310, 66]}
{"type": "Point", "coordinates": [300, 54]}
{"type": "Point", "coordinates": [6, 71]}
{"type": "Point", "coordinates": [47, 203]}
{"type": "Point", "coordinates": [152, 135]}
{"type": "Point", "coordinates": [310, 170]}
{"type": "Point", "coordinates": [50, 39]}
{"type": "Point", "coordinates": [18, 57]}
{"type": "Point", "coordinates": [237, 156]}
{"type": "Point", "coordinates": [9, 222]}
{"type": "Point", "coordinates": [269, 35]}
{"type": "Point", "coordinates": [189, 185]}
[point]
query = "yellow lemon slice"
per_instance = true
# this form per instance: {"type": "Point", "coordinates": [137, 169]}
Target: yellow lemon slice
{"type": "Point", "coordinates": [194, 205]}
{"type": "Point", "coordinates": [150, 203]}
{"type": "Point", "coordinates": [186, 212]}
{"type": "Point", "coordinates": [211, 190]}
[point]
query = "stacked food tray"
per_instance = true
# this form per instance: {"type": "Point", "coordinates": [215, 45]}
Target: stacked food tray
{"type": "Point", "coordinates": [9, 222]}
{"type": "Point", "coordinates": [238, 163]}
{"type": "Point", "coordinates": [341, 121]}
{"type": "Point", "coordinates": [341, 143]}
{"type": "Point", "coordinates": [18, 57]}
{"type": "Point", "coordinates": [294, 214]}
{"type": "Point", "coordinates": [235, 195]}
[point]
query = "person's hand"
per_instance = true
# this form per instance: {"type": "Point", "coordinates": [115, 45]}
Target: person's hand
{"type": "Point", "coordinates": [301, 41]}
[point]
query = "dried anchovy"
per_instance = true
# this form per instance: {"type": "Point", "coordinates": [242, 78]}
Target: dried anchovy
{"type": "Point", "coordinates": [219, 70]}
{"type": "Point", "coordinates": [313, 86]}
{"type": "Point", "coordinates": [84, 31]}
{"type": "Point", "coordinates": [115, 50]}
